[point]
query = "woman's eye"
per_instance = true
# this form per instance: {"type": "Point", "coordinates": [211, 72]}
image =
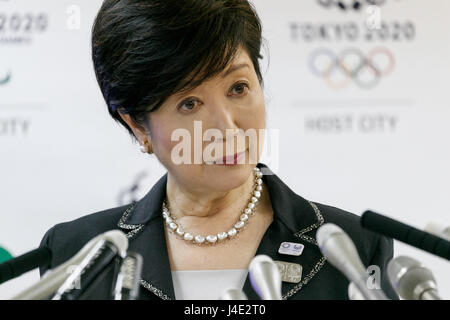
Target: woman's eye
{"type": "Point", "coordinates": [189, 104]}
{"type": "Point", "coordinates": [240, 88]}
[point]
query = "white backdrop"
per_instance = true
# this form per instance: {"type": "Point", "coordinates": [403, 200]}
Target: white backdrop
{"type": "Point", "coordinates": [374, 140]}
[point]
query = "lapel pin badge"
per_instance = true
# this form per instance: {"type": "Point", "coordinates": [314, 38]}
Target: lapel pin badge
{"type": "Point", "coordinates": [290, 272]}
{"type": "Point", "coordinates": [291, 248]}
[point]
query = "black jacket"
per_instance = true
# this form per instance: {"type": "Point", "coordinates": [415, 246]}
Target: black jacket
{"type": "Point", "coordinates": [295, 220]}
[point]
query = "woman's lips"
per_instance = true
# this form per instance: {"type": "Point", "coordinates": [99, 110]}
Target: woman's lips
{"type": "Point", "coordinates": [230, 160]}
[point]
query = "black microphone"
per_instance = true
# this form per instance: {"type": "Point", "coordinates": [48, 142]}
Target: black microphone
{"type": "Point", "coordinates": [14, 268]}
{"type": "Point", "coordinates": [127, 279]}
{"type": "Point", "coordinates": [405, 233]}
{"type": "Point", "coordinates": [95, 262]}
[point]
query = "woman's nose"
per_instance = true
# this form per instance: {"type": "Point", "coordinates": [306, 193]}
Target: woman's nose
{"type": "Point", "coordinates": [223, 119]}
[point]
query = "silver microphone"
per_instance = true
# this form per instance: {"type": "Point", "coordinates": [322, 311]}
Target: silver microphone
{"type": "Point", "coordinates": [53, 279]}
{"type": "Point", "coordinates": [233, 294]}
{"type": "Point", "coordinates": [127, 280]}
{"type": "Point", "coordinates": [354, 293]}
{"type": "Point", "coordinates": [439, 230]}
{"type": "Point", "coordinates": [341, 252]}
{"type": "Point", "coordinates": [412, 280]}
{"type": "Point", "coordinates": [265, 277]}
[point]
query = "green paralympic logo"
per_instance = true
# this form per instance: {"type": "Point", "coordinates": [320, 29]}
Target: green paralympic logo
{"type": "Point", "coordinates": [4, 254]}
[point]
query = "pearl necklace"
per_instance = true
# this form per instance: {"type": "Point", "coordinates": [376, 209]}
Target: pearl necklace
{"type": "Point", "coordinates": [176, 228]}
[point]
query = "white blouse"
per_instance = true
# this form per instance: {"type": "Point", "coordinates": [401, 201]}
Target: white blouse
{"type": "Point", "coordinates": [206, 284]}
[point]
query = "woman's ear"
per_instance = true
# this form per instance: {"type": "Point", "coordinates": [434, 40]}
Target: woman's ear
{"type": "Point", "coordinates": [138, 131]}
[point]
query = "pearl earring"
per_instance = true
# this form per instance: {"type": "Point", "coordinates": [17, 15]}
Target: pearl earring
{"type": "Point", "coordinates": [144, 147]}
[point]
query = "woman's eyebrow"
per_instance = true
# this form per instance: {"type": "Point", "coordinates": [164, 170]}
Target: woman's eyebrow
{"type": "Point", "coordinates": [226, 73]}
{"type": "Point", "coordinates": [234, 68]}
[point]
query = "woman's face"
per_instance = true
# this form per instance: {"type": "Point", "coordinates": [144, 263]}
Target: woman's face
{"type": "Point", "coordinates": [232, 100]}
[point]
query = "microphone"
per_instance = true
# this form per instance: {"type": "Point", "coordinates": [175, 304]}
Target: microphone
{"type": "Point", "coordinates": [127, 280]}
{"type": "Point", "coordinates": [233, 294]}
{"type": "Point", "coordinates": [14, 268]}
{"type": "Point", "coordinates": [438, 230]}
{"type": "Point", "coordinates": [53, 279]}
{"type": "Point", "coordinates": [354, 293]}
{"type": "Point", "coordinates": [405, 233]}
{"type": "Point", "coordinates": [4, 255]}
{"type": "Point", "coordinates": [94, 263]}
{"type": "Point", "coordinates": [265, 278]}
{"type": "Point", "coordinates": [412, 280]}
{"type": "Point", "coordinates": [341, 252]}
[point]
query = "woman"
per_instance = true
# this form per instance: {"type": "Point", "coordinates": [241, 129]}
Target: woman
{"type": "Point", "coordinates": [164, 66]}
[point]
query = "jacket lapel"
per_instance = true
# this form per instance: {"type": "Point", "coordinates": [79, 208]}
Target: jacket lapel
{"type": "Point", "coordinates": [156, 274]}
{"type": "Point", "coordinates": [311, 259]}
{"type": "Point", "coordinates": [146, 236]}
{"type": "Point", "coordinates": [294, 217]}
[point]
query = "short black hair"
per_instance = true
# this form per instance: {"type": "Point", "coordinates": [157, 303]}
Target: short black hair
{"type": "Point", "coordinates": [144, 51]}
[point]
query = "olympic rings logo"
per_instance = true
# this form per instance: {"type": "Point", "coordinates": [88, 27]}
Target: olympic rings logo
{"type": "Point", "coordinates": [352, 64]}
{"type": "Point", "coordinates": [349, 4]}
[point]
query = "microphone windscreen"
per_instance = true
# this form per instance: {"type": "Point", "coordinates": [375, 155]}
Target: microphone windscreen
{"type": "Point", "coordinates": [354, 293]}
{"type": "Point", "coordinates": [405, 233]}
{"type": "Point", "coordinates": [17, 266]}
{"type": "Point", "coordinates": [438, 230]}
{"type": "Point", "coordinates": [265, 278]}
{"type": "Point", "coordinates": [233, 294]}
{"type": "Point", "coordinates": [325, 232]}
{"type": "Point", "coordinates": [258, 259]}
{"type": "Point", "coordinates": [118, 238]}
{"type": "Point", "coordinates": [410, 278]}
